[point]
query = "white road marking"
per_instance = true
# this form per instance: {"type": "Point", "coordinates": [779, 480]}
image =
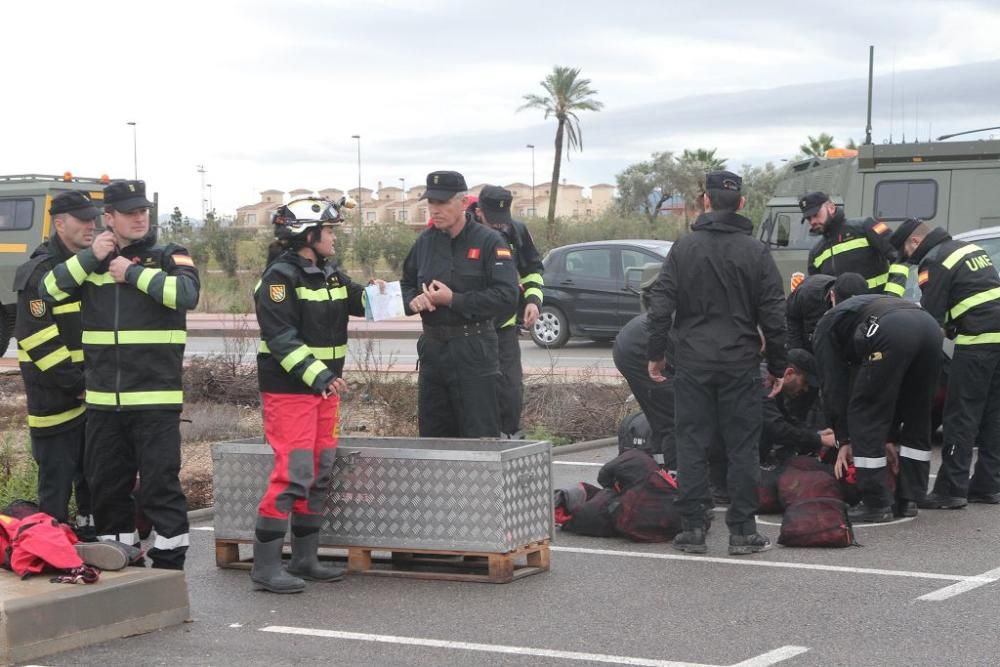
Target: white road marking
{"type": "Point", "coordinates": [769, 658]}
{"type": "Point", "coordinates": [855, 526]}
{"type": "Point", "coordinates": [962, 587]}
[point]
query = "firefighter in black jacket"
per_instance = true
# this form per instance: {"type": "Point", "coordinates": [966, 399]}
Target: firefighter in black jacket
{"type": "Point", "coordinates": [303, 302]}
{"type": "Point", "coordinates": [960, 288]}
{"type": "Point", "coordinates": [716, 287]}
{"type": "Point", "coordinates": [51, 356]}
{"type": "Point", "coordinates": [878, 358]}
{"type": "Point", "coordinates": [793, 420]}
{"type": "Point", "coordinates": [847, 246]}
{"type": "Point", "coordinates": [809, 302]}
{"type": "Point", "coordinates": [494, 210]}
{"type": "Point", "coordinates": [460, 277]}
{"type": "Point", "coordinates": [134, 296]}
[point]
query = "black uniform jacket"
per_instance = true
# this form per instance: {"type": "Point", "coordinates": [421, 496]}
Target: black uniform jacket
{"type": "Point", "coordinates": [48, 346]}
{"type": "Point", "coordinates": [477, 265]}
{"type": "Point", "coordinates": [303, 311]}
{"type": "Point", "coordinates": [133, 332]}
{"type": "Point", "coordinates": [960, 287]}
{"type": "Point", "coordinates": [792, 423]}
{"type": "Point", "coordinates": [529, 270]}
{"type": "Point", "coordinates": [838, 345]}
{"type": "Point", "coordinates": [854, 246]}
{"type": "Point", "coordinates": [804, 308]}
{"type": "Point", "coordinates": [717, 285]}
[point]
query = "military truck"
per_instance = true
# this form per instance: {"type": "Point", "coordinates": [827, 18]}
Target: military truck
{"type": "Point", "coordinates": [954, 185]}
{"type": "Point", "coordinates": [25, 222]}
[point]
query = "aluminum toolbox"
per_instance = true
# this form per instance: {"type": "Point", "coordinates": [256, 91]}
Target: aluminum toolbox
{"type": "Point", "coordinates": [407, 493]}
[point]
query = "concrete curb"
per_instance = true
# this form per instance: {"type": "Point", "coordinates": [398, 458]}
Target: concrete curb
{"type": "Point", "coordinates": [202, 514]}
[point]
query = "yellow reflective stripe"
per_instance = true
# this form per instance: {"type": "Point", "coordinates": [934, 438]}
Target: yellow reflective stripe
{"type": "Point", "coordinates": [979, 339]}
{"type": "Point", "coordinates": [893, 288]}
{"type": "Point", "coordinates": [36, 339]}
{"type": "Point", "coordinates": [76, 269]}
{"type": "Point", "coordinates": [338, 293]}
{"type": "Point", "coordinates": [976, 299]}
{"type": "Point", "coordinates": [313, 371]}
{"type": "Point", "coordinates": [901, 269]}
{"type": "Point", "coordinates": [167, 337]}
{"type": "Point", "coordinates": [511, 322]}
{"type": "Point", "coordinates": [76, 355]}
{"type": "Point", "coordinates": [338, 352]}
{"type": "Point", "coordinates": [73, 307]}
{"type": "Point", "coordinates": [101, 279]}
{"type": "Point", "coordinates": [533, 291]}
{"type": "Point", "coordinates": [135, 397]}
{"type": "Point", "coordinates": [846, 246]}
{"type": "Point", "coordinates": [878, 280]}
{"type": "Point", "coordinates": [55, 420]}
{"type": "Point", "coordinates": [101, 397]}
{"type": "Point", "coordinates": [23, 356]}
{"type": "Point", "coordinates": [145, 277]}
{"type": "Point", "coordinates": [323, 294]}
{"type": "Point", "coordinates": [53, 358]}
{"type": "Point", "coordinates": [532, 278]}
{"type": "Point", "coordinates": [294, 357]}
{"type": "Point", "coordinates": [170, 292]}
{"type": "Point", "coordinates": [52, 287]}
{"type": "Point", "coordinates": [955, 257]}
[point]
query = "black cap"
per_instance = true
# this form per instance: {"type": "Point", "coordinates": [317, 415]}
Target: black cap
{"type": "Point", "coordinates": [78, 204]}
{"type": "Point", "coordinates": [444, 185]}
{"type": "Point", "coordinates": [723, 180]}
{"type": "Point", "coordinates": [849, 284]}
{"type": "Point", "coordinates": [804, 362]}
{"type": "Point", "coordinates": [903, 232]}
{"type": "Point", "coordinates": [495, 202]}
{"type": "Point", "coordinates": [126, 196]}
{"type": "Point", "coordinates": [811, 203]}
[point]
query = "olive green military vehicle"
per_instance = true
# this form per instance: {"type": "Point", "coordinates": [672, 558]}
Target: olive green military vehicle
{"type": "Point", "coordinates": [954, 185]}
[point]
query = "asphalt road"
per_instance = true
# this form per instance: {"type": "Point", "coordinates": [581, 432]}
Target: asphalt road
{"type": "Point", "coordinates": [919, 592]}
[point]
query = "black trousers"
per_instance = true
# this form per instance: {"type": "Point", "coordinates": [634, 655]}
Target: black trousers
{"type": "Point", "coordinates": [891, 400]}
{"type": "Point", "coordinates": [656, 400]}
{"type": "Point", "coordinates": [971, 417]}
{"type": "Point", "coordinates": [457, 386]}
{"type": "Point", "coordinates": [726, 405]}
{"type": "Point", "coordinates": [120, 444]}
{"type": "Point", "coordinates": [510, 382]}
{"type": "Point", "coordinates": [60, 471]}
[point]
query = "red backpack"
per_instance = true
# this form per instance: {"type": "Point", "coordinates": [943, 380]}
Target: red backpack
{"type": "Point", "coordinates": [796, 485]}
{"type": "Point", "coordinates": [817, 522]}
{"type": "Point", "coordinates": [37, 543]}
{"type": "Point", "coordinates": [647, 512]}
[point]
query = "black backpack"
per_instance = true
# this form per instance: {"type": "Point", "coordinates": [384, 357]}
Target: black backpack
{"type": "Point", "coordinates": [635, 433]}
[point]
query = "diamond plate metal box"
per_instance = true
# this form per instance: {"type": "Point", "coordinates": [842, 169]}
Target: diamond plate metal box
{"type": "Point", "coordinates": [406, 493]}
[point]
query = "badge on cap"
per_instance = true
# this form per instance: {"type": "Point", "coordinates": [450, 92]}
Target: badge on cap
{"type": "Point", "coordinates": [802, 203]}
{"type": "Point", "coordinates": [277, 293]}
{"type": "Point", "coordinates": [131, 188]}
{"type": "Point", "coordinates": [437, 179]}
{"type": "Point", "coordinates": [37, 307]}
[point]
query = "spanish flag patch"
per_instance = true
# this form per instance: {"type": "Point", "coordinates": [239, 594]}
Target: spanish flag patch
{"type": "Point", "coordinates": [183, 260]}
{"type": "Point", "coordinates": [880, 228]}
{"type": "Point", "coordinates": [923, 277]}
{"type": "Point", "coordinates": [503, 253]}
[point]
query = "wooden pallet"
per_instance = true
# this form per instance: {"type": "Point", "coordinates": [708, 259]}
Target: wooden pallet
{"type": "Point", "coordinates": [477, 566]}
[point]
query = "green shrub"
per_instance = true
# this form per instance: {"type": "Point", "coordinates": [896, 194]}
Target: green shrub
{"type": "Point", "coordinates": [18, 470]}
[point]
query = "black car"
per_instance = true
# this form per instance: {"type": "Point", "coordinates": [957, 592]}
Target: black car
{"type": "Point", "coordinates": [585, 291]}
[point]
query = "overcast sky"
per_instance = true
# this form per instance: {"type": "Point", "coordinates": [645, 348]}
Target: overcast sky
{"type": "Point", "coordinates": [266, 94]}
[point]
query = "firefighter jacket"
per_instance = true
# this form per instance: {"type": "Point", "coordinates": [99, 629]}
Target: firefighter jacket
{"type": "Point", "coordinates": [477, 265]}
{"type": "Point", "coordinates": [895, 283]}
{"type": "Point", "coordinates": [529, 271]}
{"type": "Point", "coordinates": [805, 306]}
{"type": "Point", "coordinates": [303, 311]}
{"type": "Point", "coordinates": [48, 346]}
{"type": "Point", "coordinates": [853, 246]}
{"type": "Point", "coordinates": [839, 345]}
{"type": "Point", "coordinates": [716, 286]}
{"type": "Point", "coordinates": [960, 287]}
{"type": "Point", "coordinates": [133, 332]}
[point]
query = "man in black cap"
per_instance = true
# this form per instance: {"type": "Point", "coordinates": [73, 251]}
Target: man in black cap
{"type": "Point", "coordinates": [793, 420]}
{"type": "Point", "coordinates": [494, 210]}
{"type": "Point", "coordinates": [134, 296]}
{"type": "Point", "coordinates": [51, 358]}
{"type": "Point", "coordinates": [460, 277]}
{"type": "Point", "coordinates": [960, 288]}
{"type": "Point", "coordinates": [809, 302]}
{"type": "Point", "coordinates": [856, 246]}
{"type": "Point", "coordinates": [878, 358]}
{"type": "Point", "coordinates": [718, 292]}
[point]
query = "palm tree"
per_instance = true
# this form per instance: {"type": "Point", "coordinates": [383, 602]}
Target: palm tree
{"type": "Point", "coordinates": [566, 94]}
{"type": "Point", "coordinates": [817, 146]}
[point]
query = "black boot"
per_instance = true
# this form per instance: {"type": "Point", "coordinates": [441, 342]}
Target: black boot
{"type": "Point", "coordinates": [985, 498]}
{"type": "Point", "coordinates": [869, 514]}
{"type": "Point", "coordinates": [939, 501]}
{"type": "Point", "coordinates": [691, 541]}
{"type": "Point", "coordinates": [741, 545]}
{"type": "Point", "coordinates": [905, 508]}
{"type": "Point", "coordinates": [305, 561]}
{"type": "Point", "coordinates": [267, 574]}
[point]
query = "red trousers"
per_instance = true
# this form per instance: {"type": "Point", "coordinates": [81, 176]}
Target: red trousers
{"type": "Point", "coordinates": [302, 429]}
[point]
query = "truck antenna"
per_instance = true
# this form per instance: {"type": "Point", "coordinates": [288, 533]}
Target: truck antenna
{"type": "Point", "coordinates": [871, 65]}
{"type": "Point", "coordinates": [892, 96]}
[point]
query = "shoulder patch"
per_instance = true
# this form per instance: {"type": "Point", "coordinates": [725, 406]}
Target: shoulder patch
{"type": "Point", "coordinates": [182, 260]}
{"type": "Point", "coordinates": [37, 307]}
{"type": "Point", "coordinates": [880, 228]}
{"type": "Point", "coordinates": [503, 253]}
{"type": "Point", "coordinates": [277, 293]}
{"type": "Point", "coordinates": [472, 254]}
{"type": "Point", "coordinates": [923, 277]}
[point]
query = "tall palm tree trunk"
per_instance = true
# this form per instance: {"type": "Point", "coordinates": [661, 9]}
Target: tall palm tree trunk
{"type": "Point", "coordinates": [550, 223]}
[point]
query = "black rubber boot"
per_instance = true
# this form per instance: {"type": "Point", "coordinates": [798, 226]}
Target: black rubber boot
{"type": "Point", "coordinates": [267, 574]}
{"type": "Point", "coordinates": [305, 561]}
{"type": "Point", "coordinates": [691, 541]}
{"type": "Point", "coordinates": [741, 545]}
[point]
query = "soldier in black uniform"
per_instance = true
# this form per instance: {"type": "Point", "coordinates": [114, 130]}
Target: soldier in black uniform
{"type": "Point", "coordinates": [847, 246]}
{"type": "Point", "coordinates": [960, 288]}
{"type": "Point", "coordinates": [716, 287]}
{"type": "Point", "coordinates": [494, 210]}
{"type": "Point", "coordinates": [809, 301]}
{"type": "Point", "coordinates": [51, 357]}
{"type": "Point", "coordinates": [793, 419]}
{"type": "Point", "coordinates": [461, 278]}
{"type": "Point", "coordinates": [879, 358]}
{"type": "Point", "coordinates": [134, 296]}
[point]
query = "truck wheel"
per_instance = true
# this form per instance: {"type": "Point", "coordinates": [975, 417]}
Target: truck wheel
{"type": "Point", "coordinates": [551, 329]}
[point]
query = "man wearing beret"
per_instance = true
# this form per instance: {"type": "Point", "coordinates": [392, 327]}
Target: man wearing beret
{"type": "Point", "coordinates": [51, 359]}
{"type": "Point", "coordinates": [494, 210]}
{"type": "Point", "coordinates": [851, 246]}
{"type": "Point", "coordinates": [960, 288]}
{"type": "Point", "coordinates": [460, 277]}
{"type": "Point", "coordinates": [718, 292]}
{"type": "Point", "coordinates": [134, 296]}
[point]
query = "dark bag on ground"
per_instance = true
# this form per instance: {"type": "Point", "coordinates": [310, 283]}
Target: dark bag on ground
{"type": "Point", "coordinates": [635, 433]}
{"type": "Point", "coordinates": [628, 469]}
{"type": "Point", "coordinates": [795, 485]}
{"type": "Point", "coordinates": [768, 500]}
{"type": "Point", "coordinates": [594, 517]}
{"type": "Point", "coordinates": [647, 512]}
{"type": "Point", "coordinates": [817, 522]}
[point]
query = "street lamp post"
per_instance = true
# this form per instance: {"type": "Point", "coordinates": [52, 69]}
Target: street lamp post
{"type": "Point", "coordinates": [210, 206]}
{"type": "Point", "coordinates": [402, 183]}
{"type": "Point", "coordinates": [361, 217]}
{"type": "Point", "coordinates": [532, 147]}
{"type": "Point", "coordinates": [135, 153]}
{"type": "Point", "coordinates": [201, 170]}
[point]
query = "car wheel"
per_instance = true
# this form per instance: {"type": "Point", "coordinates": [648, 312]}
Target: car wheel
{"type": "Point", "coordinates": [551, 329]}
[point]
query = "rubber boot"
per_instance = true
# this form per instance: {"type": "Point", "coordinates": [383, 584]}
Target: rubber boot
{"type": "Point", "coordinates": [305, 561]}
{"type": "Point", "coordinates": [267, 574]}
